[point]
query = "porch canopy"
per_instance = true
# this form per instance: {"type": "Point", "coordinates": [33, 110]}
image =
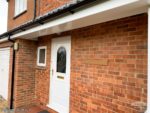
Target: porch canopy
{"type": "Point", "coordinates": [89, 13]}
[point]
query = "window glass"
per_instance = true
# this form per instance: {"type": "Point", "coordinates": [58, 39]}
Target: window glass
{"type": "Point", "coordinates": [20, 6]}
{"type": "Point", "coordinates": [42, 56]}
{"type": "Point", "coordinates": [61, 60]}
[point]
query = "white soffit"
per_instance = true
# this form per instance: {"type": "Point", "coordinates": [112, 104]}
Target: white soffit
{"type": "Point", "coordinates": [106, 11]}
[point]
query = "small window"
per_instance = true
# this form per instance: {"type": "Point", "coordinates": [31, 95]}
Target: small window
{"type": "Point", "coordinates": [41, 58]}
{"type": "Point", "coordinates": [61, 60]}
{"type": "Point", "coordinates": [20, 6]}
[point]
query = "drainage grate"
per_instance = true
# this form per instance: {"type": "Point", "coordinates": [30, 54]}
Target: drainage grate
{"type": "Point", "coordinates": [44, 111]}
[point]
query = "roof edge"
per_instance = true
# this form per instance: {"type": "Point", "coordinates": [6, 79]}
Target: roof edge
{"type": "Point", "coordinates": [54, 13]}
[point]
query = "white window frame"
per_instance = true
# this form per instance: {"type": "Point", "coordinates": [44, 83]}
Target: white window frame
{"type": "Point", "coordinates": [20, 6]}
{"type": "Point", "coordinates": [38, 56]}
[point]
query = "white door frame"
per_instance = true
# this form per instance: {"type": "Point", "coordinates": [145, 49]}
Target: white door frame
{"type": "Point", "coordinates": [60, 40]}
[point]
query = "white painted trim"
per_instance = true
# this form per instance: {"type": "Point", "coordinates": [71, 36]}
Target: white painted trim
{"type": "Point", "coordinates": [60, 39]}
{"type": "Point", "coordinates": [98, 13]}
{"type": "Point", "coordinates": [148, 75]}
{"type": "Point", "coordinates": [4, 40]}
{"type": "Point", "coordinates": [38, 55]}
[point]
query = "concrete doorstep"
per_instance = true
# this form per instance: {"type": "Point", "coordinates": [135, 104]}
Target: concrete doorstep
{"type": "Point", "coordinates": [30, 109]}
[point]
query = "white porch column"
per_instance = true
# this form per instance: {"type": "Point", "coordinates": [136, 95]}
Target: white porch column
{"type": "Point", "coordinates": [148, 96]}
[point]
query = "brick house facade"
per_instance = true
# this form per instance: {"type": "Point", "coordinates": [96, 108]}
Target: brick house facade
{"type": "Point", "coordinates": [108, 63]}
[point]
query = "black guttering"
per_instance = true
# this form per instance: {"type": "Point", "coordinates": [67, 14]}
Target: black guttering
{"type": "Point", "coordinates": [59, 11]}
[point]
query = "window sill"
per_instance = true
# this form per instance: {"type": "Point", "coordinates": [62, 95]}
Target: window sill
{"type": "Point", "coordinates": [16, 16]}
{"type": "Point", "coordinates": [41, 67]}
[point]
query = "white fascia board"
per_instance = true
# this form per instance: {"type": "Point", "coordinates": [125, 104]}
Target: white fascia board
{"type": "Point", "coordinates": [4, 39]}
{"type": "Point", "coordinates": [69, 22]}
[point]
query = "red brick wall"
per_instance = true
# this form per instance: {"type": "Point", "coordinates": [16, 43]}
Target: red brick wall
{"type": "Point", "coordinates": [14, 22]}
{"type": "Point", "coordinates": [111, 88]}
{"type": "Point", "coordinates": [44, 6]}
{"type": "Point", "coordinates": [25, 73]}
{"type": "Point", "coordinates": [42, 75]}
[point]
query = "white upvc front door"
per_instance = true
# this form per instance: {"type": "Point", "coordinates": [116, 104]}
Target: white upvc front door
{"type": "Point", "coordinates": [60, 74]}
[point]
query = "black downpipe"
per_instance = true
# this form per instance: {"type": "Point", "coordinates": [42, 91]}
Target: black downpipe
{"type": "Point", "coordinates": [13, 64]}
{"type": "Point", "coordinates": [13, 74]}
{"type": "Point", "coordinates": [34, 9]}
